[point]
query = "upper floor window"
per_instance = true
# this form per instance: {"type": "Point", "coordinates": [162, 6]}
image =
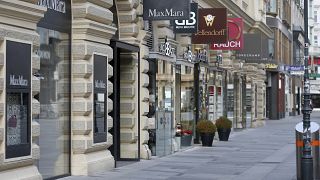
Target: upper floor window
{"type": "Point", "coordinates": [272, 6]}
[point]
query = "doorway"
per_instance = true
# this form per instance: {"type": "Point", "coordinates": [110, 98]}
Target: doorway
{"type": "Point", "coordinates": [126, 102]}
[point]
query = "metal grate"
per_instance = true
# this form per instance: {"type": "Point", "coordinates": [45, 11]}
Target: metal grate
{"type": "Point", "coordinates": [149, 28]}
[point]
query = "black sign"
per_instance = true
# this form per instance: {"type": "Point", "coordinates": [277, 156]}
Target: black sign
{"type": "Point", "coordinates": [100, 73]}
{"type": "Point", "coordinates": [188, 25]}
{"type": "Point", "coordinates": [18, 65]}
{"type": "Point", "coordinates": [58, 15]}
{"type": "Point", "coordinates": [256, 48]}
{"type": "Point", "coordinates": [166, 9]}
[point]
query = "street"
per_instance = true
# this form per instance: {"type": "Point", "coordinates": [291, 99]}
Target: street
{"type": "Point", "coordinates": [266, 153]}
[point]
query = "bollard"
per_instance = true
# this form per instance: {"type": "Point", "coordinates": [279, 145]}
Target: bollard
{"type": "Point", "coordinates": [315, 149]}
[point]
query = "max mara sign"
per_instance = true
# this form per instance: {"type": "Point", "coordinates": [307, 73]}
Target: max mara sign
{"type": "Point", "coordinates": [166, 9]}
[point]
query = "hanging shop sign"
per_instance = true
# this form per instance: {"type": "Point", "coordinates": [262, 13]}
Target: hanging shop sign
{"type": "Point", "coordinates": [295, 68]}
{"type": "Point", "coordinates": [212, 27]}
{"type": "Point", "coordinates": [202, 56]}
{"type": "Point", "coordinates": [100, 73]}
{"type": "Point", "coordinates": [58, 15]}
{"type": "Point", "coordinates": [297, 72]}
{"type": "Point", "coordinates": [256, 51]}
{"type": "Point", "coordinates": [272, 66]}
{"type": "Point", "coordinates": [166, 10]}
{"type": "Point", "coordinates": [188, 55]}
{"type": "Point", "coordinates": [235, 36]}
{"type": "Point", "coordinates": [166, 48]}
{"type": "Point", "coordinates": [189, 25]}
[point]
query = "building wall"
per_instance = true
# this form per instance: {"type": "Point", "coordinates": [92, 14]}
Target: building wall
{"type": "Point", "coordinates": [91, 33]}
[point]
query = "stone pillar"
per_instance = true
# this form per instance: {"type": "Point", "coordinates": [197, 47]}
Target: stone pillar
{"type": "Point", "coordinates": [131, 30]}
{"type": "Point", "coordinates": [91, 33]}
{"type": "Point", "coordinates": [18, 22]}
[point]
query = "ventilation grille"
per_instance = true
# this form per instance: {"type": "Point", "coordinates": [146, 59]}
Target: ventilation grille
{"type": "Point", "coordinates": [149, 28]}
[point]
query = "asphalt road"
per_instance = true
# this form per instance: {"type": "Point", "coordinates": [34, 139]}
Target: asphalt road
{"type": "Point", "coordinates": [266, 153]}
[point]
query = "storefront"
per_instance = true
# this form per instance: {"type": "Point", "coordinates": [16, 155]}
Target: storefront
{"type": "Point", "coordinates": [54, 97]}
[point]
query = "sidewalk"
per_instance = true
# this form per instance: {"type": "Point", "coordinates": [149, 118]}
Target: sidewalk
{"type": "Point", "coordinates": [266, 153]}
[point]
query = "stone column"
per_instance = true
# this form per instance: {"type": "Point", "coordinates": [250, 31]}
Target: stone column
{"type": "Point", "coordinates": [131, 30]}
{"type": "Point", "coordinates": [92, 30]}
{"type": "Point", "coordinates": [18, 21]}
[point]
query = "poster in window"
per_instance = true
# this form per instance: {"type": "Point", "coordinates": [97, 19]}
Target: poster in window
{"type": "Point", "coordinates": [17, 119]}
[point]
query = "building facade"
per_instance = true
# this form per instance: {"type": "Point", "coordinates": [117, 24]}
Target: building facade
{"type": "Point", "coordinates": [88, 84]}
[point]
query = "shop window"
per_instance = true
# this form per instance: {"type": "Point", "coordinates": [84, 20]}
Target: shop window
{"type": "Point", "coordinates": [18, 116]}
{"type": "Point", "coordinates": [100, 95]}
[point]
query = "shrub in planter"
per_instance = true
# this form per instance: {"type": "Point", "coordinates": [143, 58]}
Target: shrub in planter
{"type": "Point", "coordinates": [224, 128]}
{"type": "Point", "coordinates": [206, 130]}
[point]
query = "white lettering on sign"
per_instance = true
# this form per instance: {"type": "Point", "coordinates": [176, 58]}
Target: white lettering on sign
{"type": "Point", "coordinates": [233, 44]}
{"type": "Point", "coordinates": [99, 84]}
{"type": "Point", "coordinates": [166, 12]}
{"type": "Point", "coordinates": [192, 21]}
{"type": "Point", "coordinates": [56, 5]}
{"type": "Point", "coordinates": [18, 81]}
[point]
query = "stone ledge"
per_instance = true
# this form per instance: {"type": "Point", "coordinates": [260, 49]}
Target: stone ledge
{"type": "Point", "coordinates": [103, 3]}
{"type": "Point", "coordinates": [82, 89]}
{"type": "Point", "coordinates": [110, 71]}
{"type": "Point", "coordinates": [144, 92]}
{"type": "Point", "coordinates": [127, 106]}
{"type": "Point", "coordinates": [144, 66]}
{"type": "Point", "coordinates": [35, 107]}
{"type": "Point", "coordinates": [127, 121]}
{"type": "Point", "coordinates": [110, 88]}
{"type": "Point", "coordinates": [83, 50]}
{"type": "Point", "coordinates": [110, 105]}
{"type": "Point", "coordinates": [144, 108]}
{"type": "Point", "coordinates": [35, 62]}
{"type": "Point", "coordinates": [81, 107]}
{"type": "Point", "coordinates": [93, 12]}
{"type": "Point", "coordinates": [109, 122]}
{"type": "Point", "coordinates": [35, 85]}
{"type": "Point", "coordinates": [128, 136]}
{"type": "Point", "coordinates": [82, 126]}
{"type": "Point", "coordinates": [35, 129]}
{"type": "Point", "coordinates": [84, 29]}
{"type": "Point", "coordinates": [127, 91]}
{"type": "Point", "coordinates": [144, 80]}
{"type": "Point", "coordinates": [30, 172]}
{"type": "Point", "coordinates": [82, 69]}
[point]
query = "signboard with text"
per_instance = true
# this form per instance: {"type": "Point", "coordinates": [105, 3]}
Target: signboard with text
{"type": "Point", "coordinates": [235, 36]}
{"type": "Point", "coordinates": [212, 26]}
{"type": "Point", "coordinates": [166, 10]}
{"type": "Point", "coordinates": [189, 25]}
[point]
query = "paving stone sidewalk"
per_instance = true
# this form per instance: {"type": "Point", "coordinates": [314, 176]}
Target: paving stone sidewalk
{"type": "Point", "coordinates": [266, 153]}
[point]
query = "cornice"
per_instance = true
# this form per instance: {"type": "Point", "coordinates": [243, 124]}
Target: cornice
{"type": "Point", "coordinates": [20, 11]}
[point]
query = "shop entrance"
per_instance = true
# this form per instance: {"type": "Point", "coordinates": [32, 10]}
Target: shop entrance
{"type": "Point", "coordinates": [126, 104]}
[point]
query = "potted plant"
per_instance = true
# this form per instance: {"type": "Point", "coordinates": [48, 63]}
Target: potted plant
{"type": "Point", "coordinates": [207, 130]}
{"type": "Point", "coordinates": [186, 137]}
{"type": "Point", "coordinates": [224, 128]}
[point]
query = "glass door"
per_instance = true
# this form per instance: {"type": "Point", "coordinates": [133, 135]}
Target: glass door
{"type": "Point", "coordinates": [164, 113]}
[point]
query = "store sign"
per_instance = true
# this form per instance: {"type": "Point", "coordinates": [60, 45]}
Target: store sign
{"type": "Point", "coordinates": [295, 68]}
{"type": "Point", "coordinates": [58, 15]}
{"type": "Point", "coordinates": [271, 66]}
{"type": "Point", "coordinates": [188, 25]}
{"type": "Point", "coordinates": [189, 56]}
{"type": "Point", "coordinates": [202, 56]}
{"type": "Point", "coordinates": [100, 73]}
{"type": "Point", "coordinates": [235, 36]}
{"type": "Point", "coordinates": [166, 9]}
{"type": "Point", "coordinates": [18, 65]}
{"type": "Point", "coordinates": [297, 72]}
{"type": "Point", "coordinates": [166, 48]}
{"type": "Point", "coordinates": [56, 5]}
{"type": "Point", "coordinates": [314, 76]}
{"type": "Point", "coordinates": [256, 48]}
{"type": "Point", "coordinates": [212, 27]}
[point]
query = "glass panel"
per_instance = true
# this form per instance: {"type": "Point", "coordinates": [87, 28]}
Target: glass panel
{"type": "Point", "coordinates": [187, 106]}
{"type": "Point", "coordinates": [99, 118]}
{"type": "Point", "coordinates": [17, 118]}
{"type": "Point", "coordinates": [165, 105]}
{"type": "Point", "coordinates": [54, 103]}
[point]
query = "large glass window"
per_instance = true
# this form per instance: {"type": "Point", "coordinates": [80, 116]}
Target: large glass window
{"type": "Point", "coordinates": [54, 98]}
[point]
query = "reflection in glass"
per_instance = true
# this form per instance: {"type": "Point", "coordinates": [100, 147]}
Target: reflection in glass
{"type": "Point", "coordinates": [17, 118]}
{"type": "Point", "coordinates": [54, 101]}
{"type": "Point", "coordinates": [187, 105]}
{"type": "Point", "coordinates": [99, 118]}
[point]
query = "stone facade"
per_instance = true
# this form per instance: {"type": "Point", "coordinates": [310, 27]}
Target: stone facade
{"type": "Point", "coordinates": [91, 31]}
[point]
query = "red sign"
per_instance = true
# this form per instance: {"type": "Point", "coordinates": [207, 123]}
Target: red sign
{"type": "Point", "coordinates": [212, 26]}
{"type": "Point", "coordinates": [235, 38]}
{"type": "Point", "coordinates": [211, 90]}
